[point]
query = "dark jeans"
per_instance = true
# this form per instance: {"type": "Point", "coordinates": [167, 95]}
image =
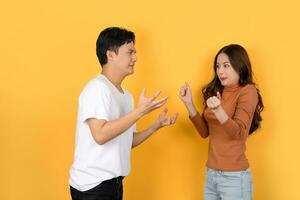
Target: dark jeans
{"type": "Point", "coordinates": [107, 190]}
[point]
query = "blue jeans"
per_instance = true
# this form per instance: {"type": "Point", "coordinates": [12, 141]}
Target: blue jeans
{"type": "Point", "coordinates": [225, 185]}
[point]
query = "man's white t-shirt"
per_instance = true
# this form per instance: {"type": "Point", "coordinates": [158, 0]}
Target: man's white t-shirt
{"type": "Point", "coordinates": [94, 163]}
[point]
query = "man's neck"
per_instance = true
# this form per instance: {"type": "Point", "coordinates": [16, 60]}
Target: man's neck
{"type": "Point", "coordinates": [114, 76]}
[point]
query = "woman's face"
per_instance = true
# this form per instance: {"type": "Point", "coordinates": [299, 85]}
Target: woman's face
{"type": "Point", "coordinates": [226, 73]}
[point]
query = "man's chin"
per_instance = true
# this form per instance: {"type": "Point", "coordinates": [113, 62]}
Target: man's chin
{"type": "Point", "coordinates": [130, 72]}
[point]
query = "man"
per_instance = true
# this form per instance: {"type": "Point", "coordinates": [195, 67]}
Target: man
{"type": "Point", "coordinates": [106, 121]}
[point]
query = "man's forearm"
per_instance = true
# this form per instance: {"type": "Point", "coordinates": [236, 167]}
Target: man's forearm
{"type": "Point", "coordinates": [140, 137]}
{"type": "Point", "coordinates": [114, 128]}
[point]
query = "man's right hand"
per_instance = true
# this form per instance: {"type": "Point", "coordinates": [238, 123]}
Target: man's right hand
{"type": "Point", "coordinates": [147, 105]}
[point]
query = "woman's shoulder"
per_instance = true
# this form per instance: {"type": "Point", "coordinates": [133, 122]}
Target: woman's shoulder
{"type": "Point", "coordinates": [249, 88]}
{"type": "Point", "coordinates": [249, 91]}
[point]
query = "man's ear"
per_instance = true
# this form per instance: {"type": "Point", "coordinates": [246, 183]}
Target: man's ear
{"type": "Point", "coordinates": [110, 54]}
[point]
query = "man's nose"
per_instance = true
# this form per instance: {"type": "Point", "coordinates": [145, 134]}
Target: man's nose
{"type": "Point", "coordinates": [134, 57]}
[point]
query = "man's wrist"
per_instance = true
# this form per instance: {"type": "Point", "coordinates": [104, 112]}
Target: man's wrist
{"type": "Point", "coordinates": [138, 112]}
{"type": "Point", "coordinates": [153, 129]}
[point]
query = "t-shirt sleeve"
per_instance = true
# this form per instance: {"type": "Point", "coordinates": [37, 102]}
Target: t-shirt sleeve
{"type": "Point", "coordinates": [239, 125]}
{"type": "Point", "coordinates": [134, 126]}
{"type": "Point", "coordinates": [95, 102]}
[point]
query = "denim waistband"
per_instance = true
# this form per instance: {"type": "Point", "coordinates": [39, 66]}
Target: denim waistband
{"type": "Point", "coordinates": [221, 171]}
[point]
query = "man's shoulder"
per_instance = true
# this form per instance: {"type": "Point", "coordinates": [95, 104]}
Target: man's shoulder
{"type": "Point", "coordinates": [97, 82]}
{"type": "Point", "coordinates": [96, 85]}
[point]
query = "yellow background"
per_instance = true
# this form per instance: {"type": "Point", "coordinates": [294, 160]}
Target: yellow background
{"type": "Point", "coordinates": [47, 55]}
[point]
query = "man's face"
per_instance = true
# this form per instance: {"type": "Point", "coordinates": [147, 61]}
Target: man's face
{"type": "Point", "coordinates": [125, 59]}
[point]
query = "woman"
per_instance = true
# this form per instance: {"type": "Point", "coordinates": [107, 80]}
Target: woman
{"type": "Point", "coordinates": [232, 112]}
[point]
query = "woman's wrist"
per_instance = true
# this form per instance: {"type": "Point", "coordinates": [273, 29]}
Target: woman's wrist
{"type": "Point", "coordinates": [191, 108]}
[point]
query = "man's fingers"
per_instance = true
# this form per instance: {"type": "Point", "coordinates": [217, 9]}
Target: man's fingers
{"type": "Point", "coordinates": [143, 92]}
{"type": "Point", "coordinates": [163, 100]}
{"type": "Point", "coordinates": [158, 105]}
{"type": "Point", "coordinates": [173, 120]}
{"type": "Point", "coordinates": [164, 113]}
{"type": "Point", "coordinates": [166, 121]}
{"type": "Point", "coordinates": [155, 95]}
